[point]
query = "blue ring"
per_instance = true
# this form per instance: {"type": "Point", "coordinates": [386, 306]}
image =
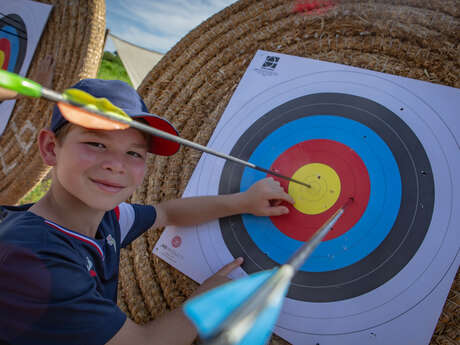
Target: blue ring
{"type": "Point", "coordinates": [379, 216]}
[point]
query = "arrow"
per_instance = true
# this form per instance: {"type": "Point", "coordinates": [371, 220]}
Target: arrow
{"type": "Point", "coordinates": [245, 311]}
{"type": "Point", "coordinates": [87, 111]}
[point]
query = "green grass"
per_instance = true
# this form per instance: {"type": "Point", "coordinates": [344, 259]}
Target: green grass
{"type": "Point", "coordinates": [36, 193]}
{"type": "Point", "coordinates": [111, 69]}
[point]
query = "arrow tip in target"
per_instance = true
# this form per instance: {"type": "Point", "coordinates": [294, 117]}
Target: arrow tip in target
{"type": "Point", "coordinates": [349, 202]}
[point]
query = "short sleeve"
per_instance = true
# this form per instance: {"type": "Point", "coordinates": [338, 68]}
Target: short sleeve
{"type": "Point", "coordinates": [48, 298]}
{"type": "Point", "coordinates": [134, 220]}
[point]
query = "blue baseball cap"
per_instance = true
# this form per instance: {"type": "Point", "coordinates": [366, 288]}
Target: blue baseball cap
{"type": "Point", "coordinates": [125, 97]}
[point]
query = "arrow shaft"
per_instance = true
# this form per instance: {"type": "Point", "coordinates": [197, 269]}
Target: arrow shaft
{"type": "Point", "coordinates": [15, 82]}
{"type": "Point", "coordinates": [202, 148]}
{"type": "Point", "coordinates": [282, 176]}
{"type": "Point", "coordinates": [56, 97]}
{"type": "Point", "coordinates": [236, 326]}
{"type": "Point", "coordinates": [298, 259]}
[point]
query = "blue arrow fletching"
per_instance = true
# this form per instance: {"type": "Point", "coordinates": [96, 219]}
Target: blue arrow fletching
{"type": "Point", "coordinates": [263, 327]}
{"type": "Point", "coordinates": [210, 309]}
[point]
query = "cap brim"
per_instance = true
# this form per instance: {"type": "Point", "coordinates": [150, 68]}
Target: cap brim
{"type": "Point", "coordinates": [160, 146]}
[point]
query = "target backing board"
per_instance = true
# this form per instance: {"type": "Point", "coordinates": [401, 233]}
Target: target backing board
{"type": "Point", "coordinates": [21, 25]}
{"type": "Point", "coordinates": [393, 144]}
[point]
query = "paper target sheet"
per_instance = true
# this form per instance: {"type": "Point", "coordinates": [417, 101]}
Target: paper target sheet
{"type": "Point", "coordinates": [382, 275]}
{"type": "Point", "coordinates": [21, 26]}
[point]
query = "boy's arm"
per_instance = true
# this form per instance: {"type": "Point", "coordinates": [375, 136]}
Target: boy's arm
{"type": "Point", "coordinates": [262, 199]}
{"type": "Point", "coordinates": [173, 328]}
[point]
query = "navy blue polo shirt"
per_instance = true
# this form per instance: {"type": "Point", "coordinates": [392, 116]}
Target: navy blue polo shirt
{"type": "Point", "coordinates": [58, 286]}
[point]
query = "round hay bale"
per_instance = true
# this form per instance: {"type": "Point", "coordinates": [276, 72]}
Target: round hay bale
{"type": "Point", "coordinates": [73, 38]}
{"type": "Point", "coordinates": [194, 81]}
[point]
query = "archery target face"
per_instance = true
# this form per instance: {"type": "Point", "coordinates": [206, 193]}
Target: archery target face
{"type": "Point", "coordinates": [13, 42]}
{"type": "Point", "coordinates": [349, 133]}
{"type": "Point", "coordinates": [381, 177]}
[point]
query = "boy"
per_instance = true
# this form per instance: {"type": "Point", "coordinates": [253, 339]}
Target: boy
{"type": "Point", "coordinates": [59, 257]}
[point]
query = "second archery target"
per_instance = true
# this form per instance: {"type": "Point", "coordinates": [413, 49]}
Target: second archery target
{"type": "Point", "coordinates": [21, 25]}
{"type": "Point", "coordinates": [389, 143]}
{"type": "Point", "coordinates": [13, 42]}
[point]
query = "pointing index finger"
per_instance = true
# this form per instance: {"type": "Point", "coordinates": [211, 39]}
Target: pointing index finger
{"type": "Point", "coordinates": [228, 268]}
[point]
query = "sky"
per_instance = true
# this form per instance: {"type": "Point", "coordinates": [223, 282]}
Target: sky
{"type": "Point", "coordinates": [157, 24]}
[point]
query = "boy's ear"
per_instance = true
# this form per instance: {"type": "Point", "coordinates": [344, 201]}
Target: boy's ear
{"type": "Point", "coordinates": [47, 143]}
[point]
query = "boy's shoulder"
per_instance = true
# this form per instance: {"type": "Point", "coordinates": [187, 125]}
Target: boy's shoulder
{"type": "Point", "coordinates": [23, 236]}
{"type": "Point", "coordinates": [18, 222]}
{"type": "Point", "coordinates": [21, 227]}
{"type": "Point", "coordinates": [24, 229]}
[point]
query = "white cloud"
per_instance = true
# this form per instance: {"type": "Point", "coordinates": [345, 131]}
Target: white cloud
{"type": "Point", "coordinates": [147, 39]}
{"type": "Point", "coordinates": [156, 24]}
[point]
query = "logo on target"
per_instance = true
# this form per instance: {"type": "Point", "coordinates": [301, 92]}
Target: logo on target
{"type": "Point", "coordinates": [271, 62]}
{"type": "Point", "coordinates": [268, 67]}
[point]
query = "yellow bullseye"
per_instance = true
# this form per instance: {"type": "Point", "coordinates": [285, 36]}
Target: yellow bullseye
{"type": "Point", "coordinates": [324, 191]}
{"type": "Point", "coordinates": [2, 58]}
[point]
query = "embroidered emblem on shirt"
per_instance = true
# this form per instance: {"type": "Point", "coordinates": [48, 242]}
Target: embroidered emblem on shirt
{"type": "Point", "coordinates": [89, 266]}
{"type": "Point", "coordinates": [111, 241]}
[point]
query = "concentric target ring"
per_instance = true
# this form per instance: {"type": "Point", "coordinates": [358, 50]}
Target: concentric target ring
{"type": "Point", "coordinates": [13, 42]}
{"type": "Point", "coordinates": [411, 222]}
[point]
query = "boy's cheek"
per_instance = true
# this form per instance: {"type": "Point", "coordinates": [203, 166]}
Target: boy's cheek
{"type": "Point", "coordinates": [139, 174]}
{"type": "Point", "coordinates": [80, 157]}
{"type": "Point", "coordinates": [87, 156]}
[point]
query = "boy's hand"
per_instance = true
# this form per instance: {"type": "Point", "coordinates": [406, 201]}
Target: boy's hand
{"type": "Point", "coordinates": [44, 76]}
{"type": "Point", "coordinates": [264, 198]}
{"type": "Point", "coordinates": [7, 94]}
{"type": "Point", "coordinates": [219, 278]}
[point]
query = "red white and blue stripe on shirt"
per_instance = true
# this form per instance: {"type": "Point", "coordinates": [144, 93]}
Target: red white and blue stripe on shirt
{"type": "Point", "coordinates": [125, 215]}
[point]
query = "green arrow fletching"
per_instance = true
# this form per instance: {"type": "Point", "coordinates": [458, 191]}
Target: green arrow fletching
{"type": "Point", "coordinates": [91, 102]}
{"type": "Point", "coordinates": [24, 86]}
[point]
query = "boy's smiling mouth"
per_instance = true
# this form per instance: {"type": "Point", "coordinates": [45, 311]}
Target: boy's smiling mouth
{"type": "Point", "coordinates": [107, 185]}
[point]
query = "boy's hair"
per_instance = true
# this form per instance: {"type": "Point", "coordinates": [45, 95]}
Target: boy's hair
{"type": "Point", "coordinates": [125, 97]}
{"type": "Point", "coordinates": [62, 132]}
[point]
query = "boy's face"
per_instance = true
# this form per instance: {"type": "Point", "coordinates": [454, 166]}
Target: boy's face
{"type": "Point", "coordinates": [101, 168]}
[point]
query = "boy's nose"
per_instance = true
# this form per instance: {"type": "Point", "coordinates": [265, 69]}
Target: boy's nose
{"type": "Point", "coordinates": [114, 163]}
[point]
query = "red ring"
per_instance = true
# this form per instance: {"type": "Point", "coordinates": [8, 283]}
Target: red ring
{"type": "Point", "coordinates": [354, 181]}
{"type": "Point", "coordinates": [5, 46]}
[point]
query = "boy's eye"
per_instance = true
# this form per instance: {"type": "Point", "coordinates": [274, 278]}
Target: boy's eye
{"type": "Point", "coordinates": [135, 154]}
{"type": "Point", "coordinates": [98, 145]}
